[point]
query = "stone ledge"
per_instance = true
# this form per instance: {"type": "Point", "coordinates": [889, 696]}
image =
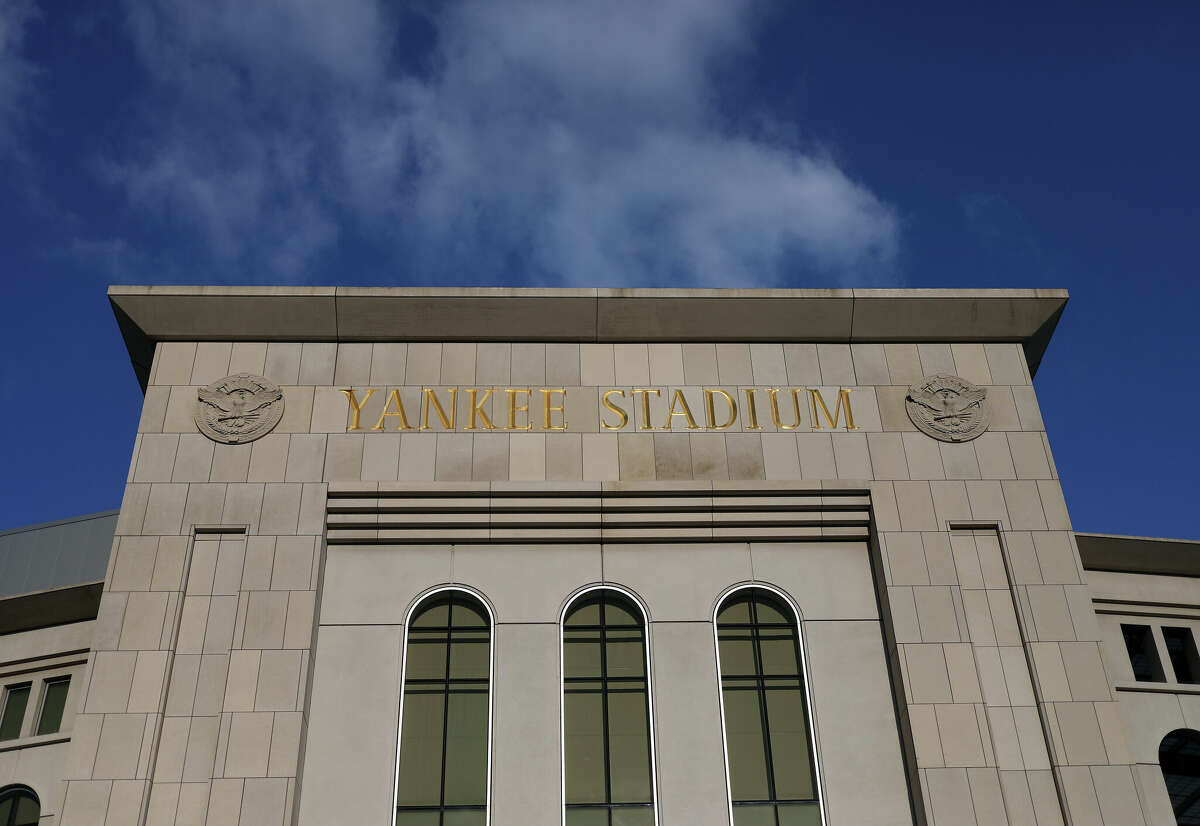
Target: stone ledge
{"type": "Point", "coordinates": [149, 314]}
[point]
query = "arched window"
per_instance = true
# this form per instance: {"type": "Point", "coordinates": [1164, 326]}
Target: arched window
{"type": "Point", "coordinates": [607, 745]}
{"type": "Point", "coordinates": [19, 806]}
{"type": "Point", "coordinates": [764, 703]}
{"type": "Point", "coordinates": [443, 766]}
{"type": "Point", "coordinates": [1179, 757]}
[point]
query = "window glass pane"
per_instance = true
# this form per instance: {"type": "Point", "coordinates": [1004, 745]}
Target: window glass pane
{"type": "Point", "coordinates": [468, 615]}
{"type": "Point", "coordinates": [587, 817]}
{"type": "Point", "coordinates": [628, 748]}
{"type": "Point", "coordinates": [737, 652]}
{"type": "Point", "coordinates": [16, 699]}
{"type": "Point", "coordinates": [466, 749]}
{"type": "Point", "coordinates": [1139, 642]}
{"type": "Point", "coordinates": [467, 817]}
{"type": "Point", "coordinates": [754, 815]}
{"type": "Point", "coordinates": [584, 744]}
{"type": "Point", "coordinates": [53, 703]}
{"type": "Point", "coordinates": [469, 655]}
{"type": "Point", "coordinates": [436, 615]}
{"type": "Point", "coordinates": [444, 733]}
{"type": "Point", "coordinates": [426, 656]}
{"type": "Point", "coordinates": [789, 745]}
{"type": "Point", "coordinates": [586, 613]}
{"type": "Point", "coordinates": [404, 818]}
{"type": "Point", "coordinates": [803, 814]}
{"type": "Point", "coordinates": [770, 612]}
{"type": "Point", "coordinates": [1181, 647]}
{"type": "Point", "coordinates": [606, 729]}
{"type": "Point", "coordinates": [625, 653]}
{"type": "Point", "coordinates": [767, 736]}
{"type": "Point", "coordinates": [6, 806]}
{"type": "Point", "coordinates": [737, 610]}
{"type": "Point", "coordinates": [618, 613]}
{"type": "Point", "coordinates": [635, 816]}
{"type": "Point", "coordinates": [420, 781]}
{"type": "Point", "coordinates": [778, 646]}
{"type": "Point", "coordinates": [744, 737]}
{"type": "Point", "coordinates": [28, 811]}
{"type": "Point", "coordinates": [1179, 757]}
{"type": "Point", "coordinates": [581, 653]}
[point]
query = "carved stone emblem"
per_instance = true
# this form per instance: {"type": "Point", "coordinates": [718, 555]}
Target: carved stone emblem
{"type": "Point", "coordinates": [948, 408]}
{"type": "Point", "coordinates": [238, 409]}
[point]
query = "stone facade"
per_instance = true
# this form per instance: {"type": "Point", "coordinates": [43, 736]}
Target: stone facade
{"type": "Point", "coordinates": [246, 663]}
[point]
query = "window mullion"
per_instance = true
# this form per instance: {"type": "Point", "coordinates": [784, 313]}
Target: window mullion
{"type": "Point", "coordinates": [446, 711]}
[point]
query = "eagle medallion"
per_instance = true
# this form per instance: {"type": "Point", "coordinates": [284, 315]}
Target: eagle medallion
{"type": "Point", "coordinates": [948, 408]}
{"type": "Point", "coordinates": [238, 409]}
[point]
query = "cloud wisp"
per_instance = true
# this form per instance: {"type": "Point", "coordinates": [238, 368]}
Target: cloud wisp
{"type": "Point", "coordinates": [527, 140]}
{"type": "Point", "coordinates": [16, 72]}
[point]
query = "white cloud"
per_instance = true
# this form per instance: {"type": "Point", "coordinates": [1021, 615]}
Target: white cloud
{"type": "Point", "coordinates": [557, 142]}
{"type": "Point", "coordinates": [16, 73]}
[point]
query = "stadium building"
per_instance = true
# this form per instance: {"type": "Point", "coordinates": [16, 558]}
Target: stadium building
{"type": "Point", "coordinates": [492, 557]}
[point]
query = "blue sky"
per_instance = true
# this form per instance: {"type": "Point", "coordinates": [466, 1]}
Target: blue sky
{"type": "Point", "coordinates": [606, 143]}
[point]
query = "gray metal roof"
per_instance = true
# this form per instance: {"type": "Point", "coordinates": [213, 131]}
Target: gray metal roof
{"type": "Point", "coordinates": [56, 554]}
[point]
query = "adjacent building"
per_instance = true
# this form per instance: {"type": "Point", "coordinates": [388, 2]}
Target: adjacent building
{"type": "Point", "coordinates": [594, 557]}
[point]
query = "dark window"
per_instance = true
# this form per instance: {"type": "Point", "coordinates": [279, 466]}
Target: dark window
{"type": "Point", "coordinates": [442, 776]}
{"type": "Point", "coordinates": [1179, 756]}
{"type": "Point", "coordinates": [772, 776]}
{"type": "Point", "coordinates": [1181, 648]}
{"type": "Point", "coordinates": [19, 806]}
{"type": "Point", "coordinates": [606, 713]}
{"type": "Point", "coordinates": [54, 700]}
{"type": "Point", "coordinates": [1139, 642]}
{"type": "Point", "coordinates": [16, 698]}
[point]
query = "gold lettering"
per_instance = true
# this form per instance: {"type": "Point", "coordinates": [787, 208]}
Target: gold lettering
{"type": "Point", "coordinates": [645, 425]}
{"type": "Point", "coordinates": [547, 408]}
{"type": "Point", "coordinates": [772, 394]}
{"type": "Point", "coordinates": [393, 398]}
{"type": "Point", "coordinates": [514, 408]}
{"type": "Point", "coordinates": [710, 413]}
{"type": "Point", "coordinates": [814, 396]}
{"type": "Point", "coordinates": [752, 410]}
{"type": "Point", "coordinates": [431, 395]}
{"type": "Point", "coordinates": [477, 411]}
{"type": "Point", "coordinates": [619, 411]}
{"type": "Point", "coordinates": [686, 412]}
{"type": "Point", "coordinates": [356, 406]}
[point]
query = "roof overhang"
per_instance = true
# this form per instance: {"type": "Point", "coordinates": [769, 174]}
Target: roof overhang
{"type": "Point", "coordinates": [1139, 554]}
{"type": "Point", "coordinates": [149, 314]}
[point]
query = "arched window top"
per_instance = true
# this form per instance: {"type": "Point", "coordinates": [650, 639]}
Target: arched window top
{"type": "Point", "coordinates": [770, 758]}
{"type": "Point", "coordinates": [19, 806]}
{"type": "Point", "coordinates": [1179, 757]}
{"type": "Point", "coordinates": [619, 609]}
{"type": "Point", "coordinates": [445, 716]}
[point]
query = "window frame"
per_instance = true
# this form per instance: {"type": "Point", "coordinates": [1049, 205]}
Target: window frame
{"type": "Point", "coordinates": [417, 604]}
{"type": "Point", "coordinates": [14, 790]}
{"type": "Point", "coordinates": [6, 696]}
{"type": "Point", "coordinates": [804, 675]}
{"type": "Point", "coordinates": [41, 708]}
{"type": "Point", "coordinates": [633, 598]}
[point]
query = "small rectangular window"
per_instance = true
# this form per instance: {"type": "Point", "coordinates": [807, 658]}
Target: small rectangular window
{"type": "Point", "coordinates": [1143, 656]}
{"type": "Point", "coordinates": [15, 701]}
{"type": "Point", "coordinates": [54, 700]}
{"type": "Point", "coordinates": [1181, 648]}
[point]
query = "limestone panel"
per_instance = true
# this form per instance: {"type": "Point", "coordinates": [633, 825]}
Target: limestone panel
{"type": "Point", "coordinates": [350, 754]}
{"type": "Point", "coordinates": [691, 771]}
{"type": "Point", "coordinates": [848, 680]}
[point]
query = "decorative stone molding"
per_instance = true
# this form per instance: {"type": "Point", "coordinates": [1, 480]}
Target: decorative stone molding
{"type": "Point", "coordinates": [238, 409]}
{"type": "Point", "coordinates": [948, 408]}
